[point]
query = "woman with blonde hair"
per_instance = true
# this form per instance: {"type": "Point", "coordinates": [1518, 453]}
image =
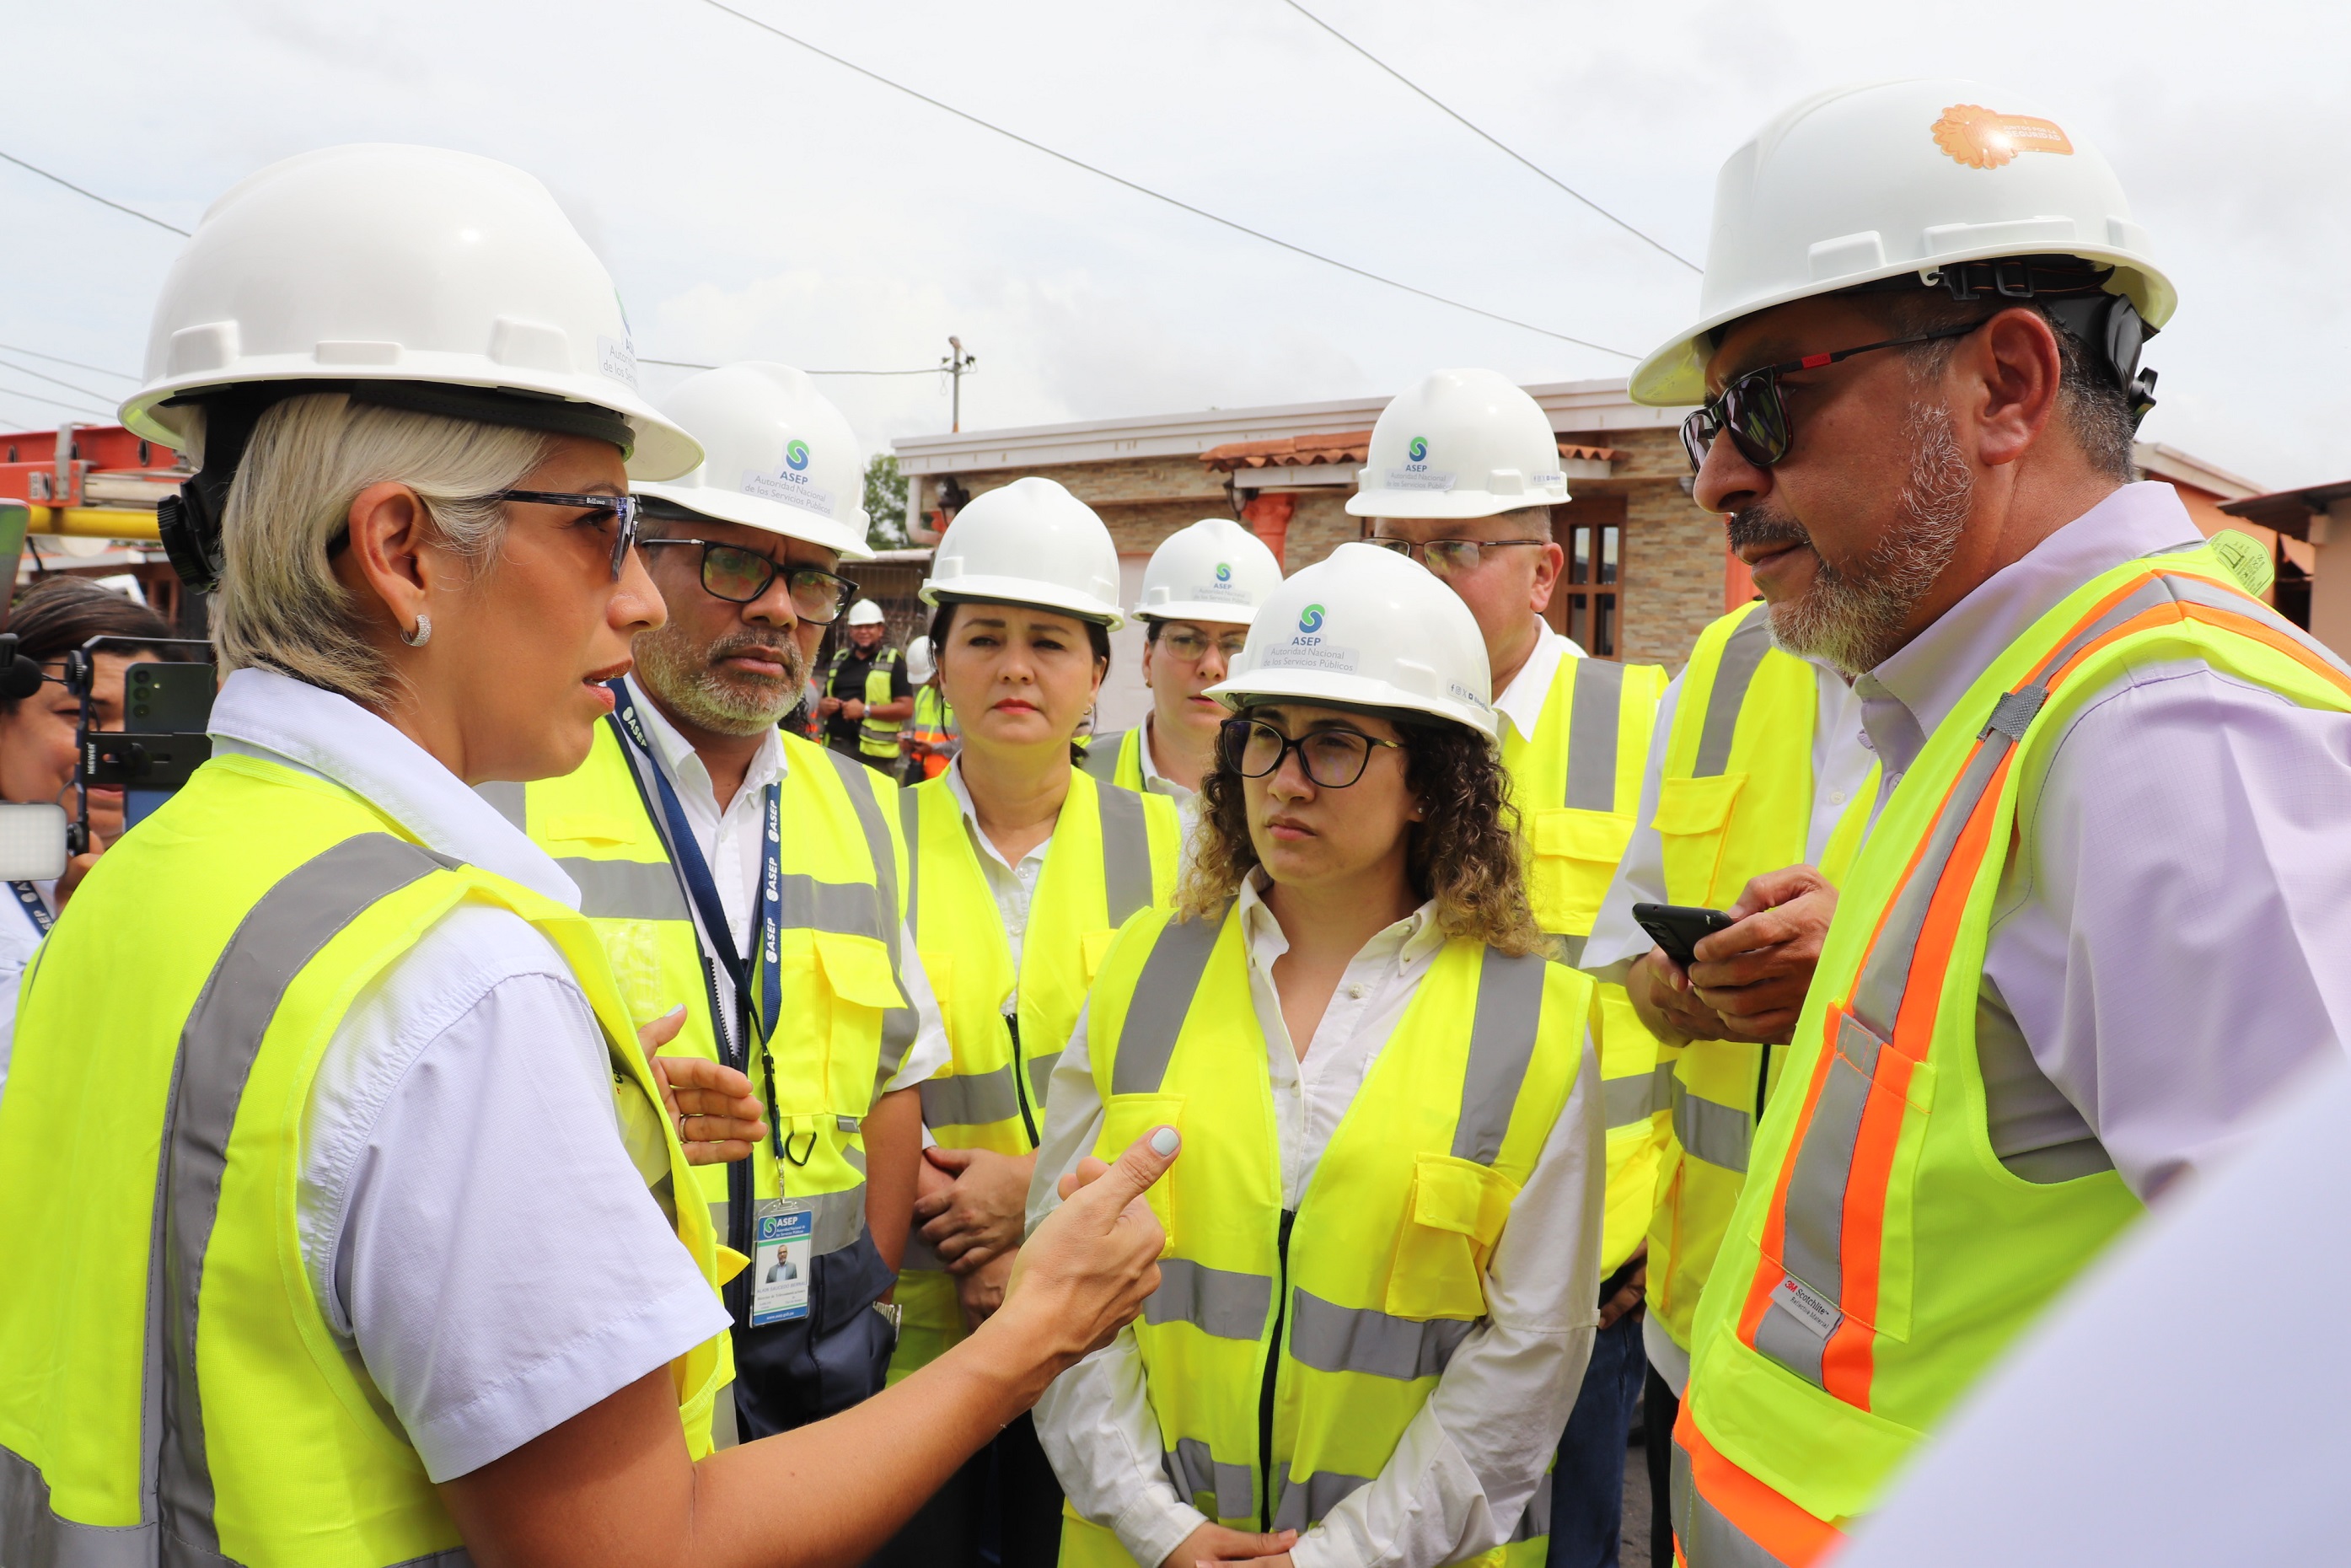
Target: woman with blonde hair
{"type": "Point", "coordinates": [1384, 1242]}
{"type": "Point", "coordinates": [344, 1217]}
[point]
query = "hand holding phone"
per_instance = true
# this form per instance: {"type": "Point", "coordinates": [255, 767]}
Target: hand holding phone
{"type": "Point", "coordinates": [1676, 928]}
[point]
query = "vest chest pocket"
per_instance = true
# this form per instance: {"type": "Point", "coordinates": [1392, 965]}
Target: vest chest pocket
{"type": "Point", "coordinates": [1454, 1217]}
{"type": "Point", "coordinates": [1693, 817]}
{"type": "Point", "coordinates": [1125, 1118]}
{"type": "Point", "coordinates": [863, 986]}
{"type": "Point", "coordinates": [1575, 854]}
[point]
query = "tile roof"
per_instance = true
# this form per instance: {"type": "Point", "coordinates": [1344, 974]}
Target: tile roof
{"type": "Point", "coordinates": [1346, 446]}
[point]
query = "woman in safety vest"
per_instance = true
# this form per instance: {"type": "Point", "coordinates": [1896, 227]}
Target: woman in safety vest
{"type": "Point", "coordinates": [345, 1221]}
{"type": "Point", "coordinates": [1385, 1240]}
{"type": "Point", "coordinates": [1024, 869]}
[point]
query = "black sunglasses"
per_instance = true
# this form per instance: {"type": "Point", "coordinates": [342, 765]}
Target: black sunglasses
{"type": "Point", "coordinates": [1333, 758]}
{"type": "Point", "coordinates": [1754, 409]}
{"type": "Point", "coordinates": [627, 512]}
{"type": "Point", "coordinates": [743, 576]}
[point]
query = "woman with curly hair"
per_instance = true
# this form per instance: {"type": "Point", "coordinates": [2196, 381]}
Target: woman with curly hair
{"type": "Point", "coordinates": [1384, 1238]}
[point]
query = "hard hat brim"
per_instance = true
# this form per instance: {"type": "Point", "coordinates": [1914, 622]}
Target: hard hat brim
{"type": "Point", "coordinates": [937, 592]}
{"type": "Point", "coordinates": [1200, 610]}
{"type": "Point", "coordinates": [1675, 375]}
{"type": "Point", "coordinates": [1446, 504]}
{"type": "Point", "coordinates": [792, 522]}
{"type": "Point", "coordinates": [1306, 685]}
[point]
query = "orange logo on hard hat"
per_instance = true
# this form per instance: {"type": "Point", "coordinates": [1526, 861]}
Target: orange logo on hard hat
{"type": "Point", "coordinates": [1982, 139]}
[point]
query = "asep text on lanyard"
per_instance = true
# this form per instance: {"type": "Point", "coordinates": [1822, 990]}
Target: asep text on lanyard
{"type": "Point", "coordinates": [756, 1008]}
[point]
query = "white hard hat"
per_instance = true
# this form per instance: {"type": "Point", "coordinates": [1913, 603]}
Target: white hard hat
{"type": "Point", "coordinates": [1214, 571]}
{"type": "Point", "coordinates": [1368, 627]}
{"type": "Point", "coordinates": [776, 455]}
{"type": "Point", "coordinates": [1462, 444]}
{"type": "Point", "coordinates": [865, 612]}
{"type": "Point", "coordinates": [1872, 182]}
{"type": "Point", "coordinates": [389, 271]}
{"type": "Point", "coordinates": [920, 666]}
{"type": "Point", "coordinates": [1030, 542]}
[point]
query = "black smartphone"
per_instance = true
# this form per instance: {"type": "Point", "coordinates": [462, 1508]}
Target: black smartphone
{"type": "Point", "coordinates": [1676, 927]}
{"type": "Point", "coordinates": [165, 709]}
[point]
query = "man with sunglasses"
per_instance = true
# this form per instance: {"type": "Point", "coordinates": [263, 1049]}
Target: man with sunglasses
{"type": "Point", "coordinates": [2100, 917]}
{"type": "Point", "coordinates": [759, 881]}
{"type": "Point", "coordinates": [1461, 475]}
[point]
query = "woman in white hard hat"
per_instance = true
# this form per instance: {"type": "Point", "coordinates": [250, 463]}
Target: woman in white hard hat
{"type": "Point", "coordinates": [1200, 594]}
{"type": "Point", "coordinates": [321, 1070]}
{"type": "Point", "coordinates": [1024, 868]}
{"type": "Point", "coordinates": [1384, 1238]}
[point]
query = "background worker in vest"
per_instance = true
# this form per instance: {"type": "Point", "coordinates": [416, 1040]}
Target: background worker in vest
{"type": "Point", "coordinates": [2095, 925]}
{"type": "Point", "coordinates": [1024, 869]}
{"type": "Point", "coordinates": [866, 692]}
{"type": "Point", "coordinates": [430, 1329]}
{"type": "Point", "coordinates": [1758, 763]}
{"type": "Point", "coordinates": [1394, 1110]}
{"type": "Point", "coordinates": [1200, 591]}
{"type": "Point", "coordinates": [930, 738]}
{"type": "Point", "coordinates": [1462, 473]}
{"type": "Point", "coordinates": [691, 776]}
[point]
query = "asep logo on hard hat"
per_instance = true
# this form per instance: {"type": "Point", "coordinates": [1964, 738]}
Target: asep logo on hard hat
{"type": "Point", "coordinates": [796, 455]}
{"type": "Point", "coordinates": [1416, 450]}
{"type": "Point", "coordinates": [1312, 620]}
{"type": "Point", "coordinates": [1224, 571]}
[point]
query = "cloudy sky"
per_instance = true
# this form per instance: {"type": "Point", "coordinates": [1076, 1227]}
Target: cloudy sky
{"type": "Point", "coordinates": [754, 199]}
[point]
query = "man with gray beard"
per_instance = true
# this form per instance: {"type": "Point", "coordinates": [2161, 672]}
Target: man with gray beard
{"type": "Point", "coordinates": [2099, 920]}
{"type": "Point", "coordinates": [756, 883]}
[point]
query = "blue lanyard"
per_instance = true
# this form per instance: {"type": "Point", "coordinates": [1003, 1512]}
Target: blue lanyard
{"type": "Point", "coordinates": [755, 1018]}
{"type": "Point", "coordinates": [29, 898]}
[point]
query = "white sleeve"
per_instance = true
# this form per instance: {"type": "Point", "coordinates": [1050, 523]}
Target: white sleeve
{"type": "Point", "coordinates": [467, 1207]}
{"type": "Point", "coordinates": [2170, 934]}
{"type": "Point", "coordinates": [1615, 940]}
{"type": "Point", "coordinates": [929, 1051]}
{"type": "Point", "coordinates": [1460, 1480]}
{"type": "Point", "coordinates": [1073, 1121]}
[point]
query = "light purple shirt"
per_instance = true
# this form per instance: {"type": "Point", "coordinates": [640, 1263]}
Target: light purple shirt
{"type": "Point", "coordinates": [2173, 933]}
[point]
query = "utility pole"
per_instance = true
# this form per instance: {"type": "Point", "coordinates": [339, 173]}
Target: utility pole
{"type": "Point", "coordinates": [957, 366]}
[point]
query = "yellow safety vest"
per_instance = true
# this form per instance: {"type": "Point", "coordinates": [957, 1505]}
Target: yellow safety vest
{"type": "Point", "coordinates": [1577, 784]}
{"type": "Point", "coordinates": [934, 725]}
{"type": "Point", "coordinates": [151, 1151]}
{"type": "Point", "coordinates": [1113, 852]}
{"type": "Point", "coordinates": [1117, 759]}
{"type": "Point", "coordinates": [1884, 1256]}
{"type": "Point", "coordinates": [1734, 802]}
{"type": "Point", "coordinates": [1285, 1353]}
{"type": "Point", "coordinates": [845, 1027]}
{"type": "Point", "coordinates": [875, 737]}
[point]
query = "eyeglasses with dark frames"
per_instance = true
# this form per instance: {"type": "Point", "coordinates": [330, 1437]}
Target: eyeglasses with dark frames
{"type": "Point", "coordinates": [1332, 759]}
{"type": "Point", "coordinates": [1754, 407]}
{"type": "Point", "coordinates": [1449, 557]}
{"type": "Point", "coordinates": [743, 576]}
{"type": "Point", "coordinates": [627, 513]}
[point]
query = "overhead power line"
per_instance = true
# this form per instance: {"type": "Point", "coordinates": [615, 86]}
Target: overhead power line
{"type": "Point", "coordinates": [1161, 196]}
{"type": "Point", "coordinates": [56, 359]}
{"type": "Point", "coordinates": [1493, 140]}
{"type": "Point", "coordinates": [43, 376]}
{"type": "Point", "coordinates": [93, 195]}
{"type": "Point", "coordinates": [82, 409]}
{"type": "Point", "coordinates": [690, 365]}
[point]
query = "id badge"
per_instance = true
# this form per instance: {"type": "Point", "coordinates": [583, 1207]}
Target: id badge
{"type": "Point", "coordinates": [783, 1255]}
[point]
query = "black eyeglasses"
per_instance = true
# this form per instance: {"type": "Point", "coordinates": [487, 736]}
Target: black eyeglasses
{"type": "Point", "coordinates": [627, 512]}
{"type": "Point", "coordinates": [1333, 758]}
{"type": "Point", "coordinates": [1754, 409]}
{"type": "Point", "coordinates": [741, 576]}
{"type": "Point", "coordinates": [1446, 557]}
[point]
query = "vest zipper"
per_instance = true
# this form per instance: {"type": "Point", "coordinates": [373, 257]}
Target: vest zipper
{"type": "Point", "coordinates": [1272, 1374]}
{"type": "Point", "coordinates": [1021, 1080]}
{"type": "Point", "coordinates": [1762, 1088]}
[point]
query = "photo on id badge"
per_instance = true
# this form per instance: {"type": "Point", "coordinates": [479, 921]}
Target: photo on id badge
{"type": "Point", "coordinates": [783, 1252]}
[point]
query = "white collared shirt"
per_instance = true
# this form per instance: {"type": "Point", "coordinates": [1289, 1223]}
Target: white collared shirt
{"type": "Point", "coordinates": [469, 1214]}
{"type": "Point", "coordinates": [20, 938]}
{"type": "Point", "coordinates": [730, 841]}
{"type": "Point", "coordinates": [1460, 1478]}
{"type": "Point", "coordinates": [1013, 886]}
{"type": "Point", "coordinates": [1521, 702]}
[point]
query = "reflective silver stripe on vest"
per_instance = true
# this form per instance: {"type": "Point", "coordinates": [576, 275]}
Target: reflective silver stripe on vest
{"type": "Point", "coordinates": [1041, 1075]}
{"type": "Point", "coordinates": [1102, 755]}
{"type": "Point", "coordinates": [1230, 1490]}
{"type": "Point", "coordinates": [1629, 1102]}
{"type": "Point", "coordinates": [1535, 1522]}
{"type": "Point", "coordinates": [508, 801]}
{"type": "Point", "coordinates": [1742, 655]}
{"type": "Point", "coordinates": [1710, 1131]}
{"type": "Point", "coordinates": [1501, 1046]}
{"type": "Point", "coordinates": [1219, 1301]}
{"type": "Point", "coordinates": [899, 1025]}
{"type": "Point", "coordinates": [626, 890]}
{"type": "Point", "coordinates": [1332, 1338]}
{"type": "Point", "coordinates": [909, 823]}
{"type": "Point", "coordinates": [279, 937]}
{"type": "Point", "coordinates": [1706, 1538]}
{"type": "Point", "coordinates": [1807, 1307]}
{"type": "Point", "coordinates": [969, 1099]}
{"type": "Point", "coordinates": [837, 1218]}
{"type": "Point", "coordinates": [1125, 852]}
{"type": "Point", "coordinates": [1162, 995]}
{"type": "Point", "coordinates": [1305, 1502]}
{"type": "Point", "coordinates": [1591, 722]}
